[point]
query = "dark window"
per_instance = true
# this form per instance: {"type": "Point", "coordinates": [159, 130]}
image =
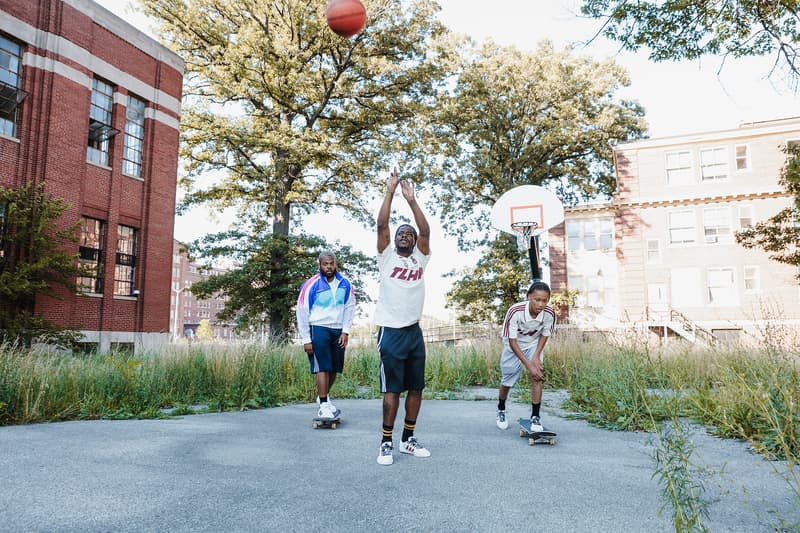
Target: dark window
{"type": "Point", "coordinates": [93, 235]}
{"type": "Point", "coordinates": [134, 138]}
{"type": "Point", "coordinates": [125, 268]}
{"type": "Point", "coordinates": [100, 120]}
{"type": "Point", "coordinates": [11, 95]}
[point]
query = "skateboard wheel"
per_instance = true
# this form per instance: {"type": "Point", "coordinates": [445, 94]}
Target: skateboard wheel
{"type": "Point", "coordinates": [552, 441]}
{"type": "Point", "coordinates": [531, 442]}
{"type": "Point", "coordinates": [521, 433]}
{"type": "Point", "coordinates": [333, 426]}
{"type": "Point", "coordinates": [316, 425]}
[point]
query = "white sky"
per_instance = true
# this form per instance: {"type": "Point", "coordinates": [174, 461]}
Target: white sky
{"type": "Point", "coordinates": [679, 98]}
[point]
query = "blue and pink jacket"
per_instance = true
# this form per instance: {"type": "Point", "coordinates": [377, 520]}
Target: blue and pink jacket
{"type": "Point", "coordinates": [318, 305]}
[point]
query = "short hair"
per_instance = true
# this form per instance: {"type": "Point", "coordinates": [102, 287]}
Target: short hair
{"type": "Point", "coordinates": [326, 253]}
{"type": "Point", "coordinates": [409, 226]}
{"type": "Point", "coordinates": [539, 286]}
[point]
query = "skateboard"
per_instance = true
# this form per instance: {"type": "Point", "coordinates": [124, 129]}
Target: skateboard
{"type": "Point", "coordinates": [327, 422]}
{"type": "Point", "coordinates": [534, 437]}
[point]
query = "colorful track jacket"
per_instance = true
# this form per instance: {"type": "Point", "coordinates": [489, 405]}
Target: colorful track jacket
{"type": "Point", "coordinates": [318, 305]}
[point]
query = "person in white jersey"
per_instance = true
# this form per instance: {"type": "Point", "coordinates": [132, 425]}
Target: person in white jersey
{"type": "Point", "coordinates": [325, 310]}
{"type": "Point", "coordinates": [527, 327]}
{"type": "Point", "coordinates": [401, 296]}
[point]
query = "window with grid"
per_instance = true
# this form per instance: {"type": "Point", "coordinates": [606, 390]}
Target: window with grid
{"type": "Point", "coordinates": [742, 157]}
{"type": "Point", "coordinates": [125, 268]}
{"type": "Point", "coordinates": [681, 227]}
{"type": "Point", "coordinates": [679, 168]}
{"type": "Point", "coordinates": [752, 279]}
{"type": "Point", "coordinates": [717, 225]}
{"type": "Point", "coordinates": [745, 216]}
{"type": "Point", "coordinates": [714, 164]}
{"type": "Point", "coordinates": [90, 251]}
{"type": "Point", "coordinates": [134, 138]}
{"type": "Point", "coordinates": [573, 235]}
{"type": "Point", "coordinates": [11, 94]}
{"type": "Point", "coordinates": [721, 287]}
{"type": "Point", "coordinates": [653, 251]}
{"type": "Point", "coordinates": [100, 120]}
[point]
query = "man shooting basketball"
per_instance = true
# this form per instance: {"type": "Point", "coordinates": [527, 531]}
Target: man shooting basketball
{"type": "Point", "coordinates": [401, 297]}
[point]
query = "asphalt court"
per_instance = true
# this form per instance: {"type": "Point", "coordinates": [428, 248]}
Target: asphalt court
{"type": "Point", "coordinates": [269, 470]}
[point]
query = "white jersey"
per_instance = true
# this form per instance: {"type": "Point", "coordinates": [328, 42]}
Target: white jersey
{"type": "Point", "coordinates": [526, 329]}
{"type": "Point", "coordinates": [401, 293]}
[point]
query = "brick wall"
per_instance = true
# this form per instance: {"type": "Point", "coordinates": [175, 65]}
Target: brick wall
{"type": "Point", "coordinates": [52, 143]}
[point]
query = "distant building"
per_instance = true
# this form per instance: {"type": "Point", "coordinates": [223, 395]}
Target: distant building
{"type": "Point", "coordinates": [90, 106]}
{"type": "Point", "coordinates": [663, 251]}
{"type": "Point", "coordinates": [186, 311]}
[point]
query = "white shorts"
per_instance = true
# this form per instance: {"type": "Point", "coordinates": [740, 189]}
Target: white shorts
{"type": "Point", "coordinates": [511, 367]}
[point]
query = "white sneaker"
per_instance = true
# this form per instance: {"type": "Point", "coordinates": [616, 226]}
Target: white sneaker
{"type": "Point", "coordinates": [325, 411]}
{"type": "Point", "coordinates": [502, 423]}
{"type": "Point", "coordinates": [413, 447]}
{"type": "Point", "coordinates": [536, 424]}
{"type": "Point", "coordinates": [385, 454]}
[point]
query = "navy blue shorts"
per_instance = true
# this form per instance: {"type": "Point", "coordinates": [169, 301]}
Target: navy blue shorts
{"type": "Point", "coordinates": [402, 358]}
{"type": "Point", "coordinates": [328, 356]}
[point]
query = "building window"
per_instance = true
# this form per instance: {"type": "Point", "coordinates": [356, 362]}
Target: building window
{"type": "Point", "coordinates": [590, 234]}
{"type": "Point", "coordinates": [745, 216]}
{"type": "Point", "coordinates": [721, 286]}
{"type": "Point", "coordinates": [679, 168]}
{"type": "Point", "coordinates": [11, 95]}
{"type": "Point", "coordinates": [125, 267]}
{"type": "Point", "coordinates": [573, 235]}
{"type": "Point", "coordinates": [752, 279]}
{"type": "Point", "coordinates": [653, 251]}
{"type": "Point", "coordinates": [742, 157]}
{"type": "Point", "coordinates": [93, 237]}
{"type": "Point", "coordinates": [714, 164]}
{"type": "Point", "coordinates": [100, 120]}
{"type": "Point", "coordinates": [134, 138]}
{"type": "Point", "coordinates": [717, 225]}
{"type": "Point", "coordinates": [681, 227]}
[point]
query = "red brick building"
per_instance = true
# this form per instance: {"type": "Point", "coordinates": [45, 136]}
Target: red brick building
{"type": "Point", "coordinates": [90, 106]}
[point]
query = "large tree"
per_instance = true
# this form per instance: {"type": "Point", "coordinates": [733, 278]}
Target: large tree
{"type": "Point", "coordinates": [779, 235]}
{"type": "Point", "coordinates": [34, 263]}
{"type": "Point", "coordinates": [293, 117]}
{"type": "Point", "coordinates": [542, 117]}
{"type": "Point", "coordinates": [680, 29]}
{"type": "Point", "coordinates": [247, 301]}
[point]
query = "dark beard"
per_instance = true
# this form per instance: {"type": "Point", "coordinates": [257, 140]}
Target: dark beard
{"type": "Point", "coordinates": [404, 249]}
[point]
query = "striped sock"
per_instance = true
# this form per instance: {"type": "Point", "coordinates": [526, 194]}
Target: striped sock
{"type": "Point", "coordinates": [408, 429]}
{"type": "Point", "coordinates": [387, 433]}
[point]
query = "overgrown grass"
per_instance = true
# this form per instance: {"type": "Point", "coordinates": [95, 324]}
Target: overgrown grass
{"type": "Point", "coordinates": [745, 394]}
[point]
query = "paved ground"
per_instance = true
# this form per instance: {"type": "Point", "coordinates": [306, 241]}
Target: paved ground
{"type": "Point", "coordinates": [268, 470]}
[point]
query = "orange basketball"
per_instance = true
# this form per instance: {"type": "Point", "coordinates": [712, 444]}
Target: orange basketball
{"type": "Point", "coordinates": [346, 17]}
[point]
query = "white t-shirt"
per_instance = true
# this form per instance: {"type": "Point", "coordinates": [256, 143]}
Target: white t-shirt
{"type": "Point", "coordinates": [401, 293]}
{"type": "Point", "coordinates": [526, 329]}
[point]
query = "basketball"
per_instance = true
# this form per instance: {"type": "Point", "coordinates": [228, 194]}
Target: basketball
{"type": "Point", "coordinates": [346, 17]}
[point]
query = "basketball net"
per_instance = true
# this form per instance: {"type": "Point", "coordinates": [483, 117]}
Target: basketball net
{"type": "Point", "coordinates": [524, 231]}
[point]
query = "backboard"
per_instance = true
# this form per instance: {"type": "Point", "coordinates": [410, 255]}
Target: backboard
{"type": "Point", "coordinates": [526, 204]}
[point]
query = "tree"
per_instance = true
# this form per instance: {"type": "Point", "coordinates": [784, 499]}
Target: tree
{"type": "Point", "coordinates": [247, 301]}
{"type": "Point", "coordinates": [204, 331]}
{"type": "Point", "coordinates": [33, 263]}
{"type": "Point", "coordinates": [542, 117]}
{"type": "Point", "coordinates": [779, 236]}
{"type": "Point", "coordinates": [295, 118]}
{"type": "Point", "coordinates": [678, 29]}
{"type": "Point", "coordinates": [486, 291]}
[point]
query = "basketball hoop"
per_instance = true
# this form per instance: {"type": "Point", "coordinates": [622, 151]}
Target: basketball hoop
{"type": "Point", "coordinates": [524, 230]}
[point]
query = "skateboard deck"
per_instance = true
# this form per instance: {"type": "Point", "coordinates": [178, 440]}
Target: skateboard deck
{"type": "Point", "coordinates": [536, 437]}
{"type": "Point", "coordinates": [327, 422]}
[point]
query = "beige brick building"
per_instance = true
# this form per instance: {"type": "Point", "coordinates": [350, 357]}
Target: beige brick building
{"type": "Point", "coordinates": [663, 251]}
